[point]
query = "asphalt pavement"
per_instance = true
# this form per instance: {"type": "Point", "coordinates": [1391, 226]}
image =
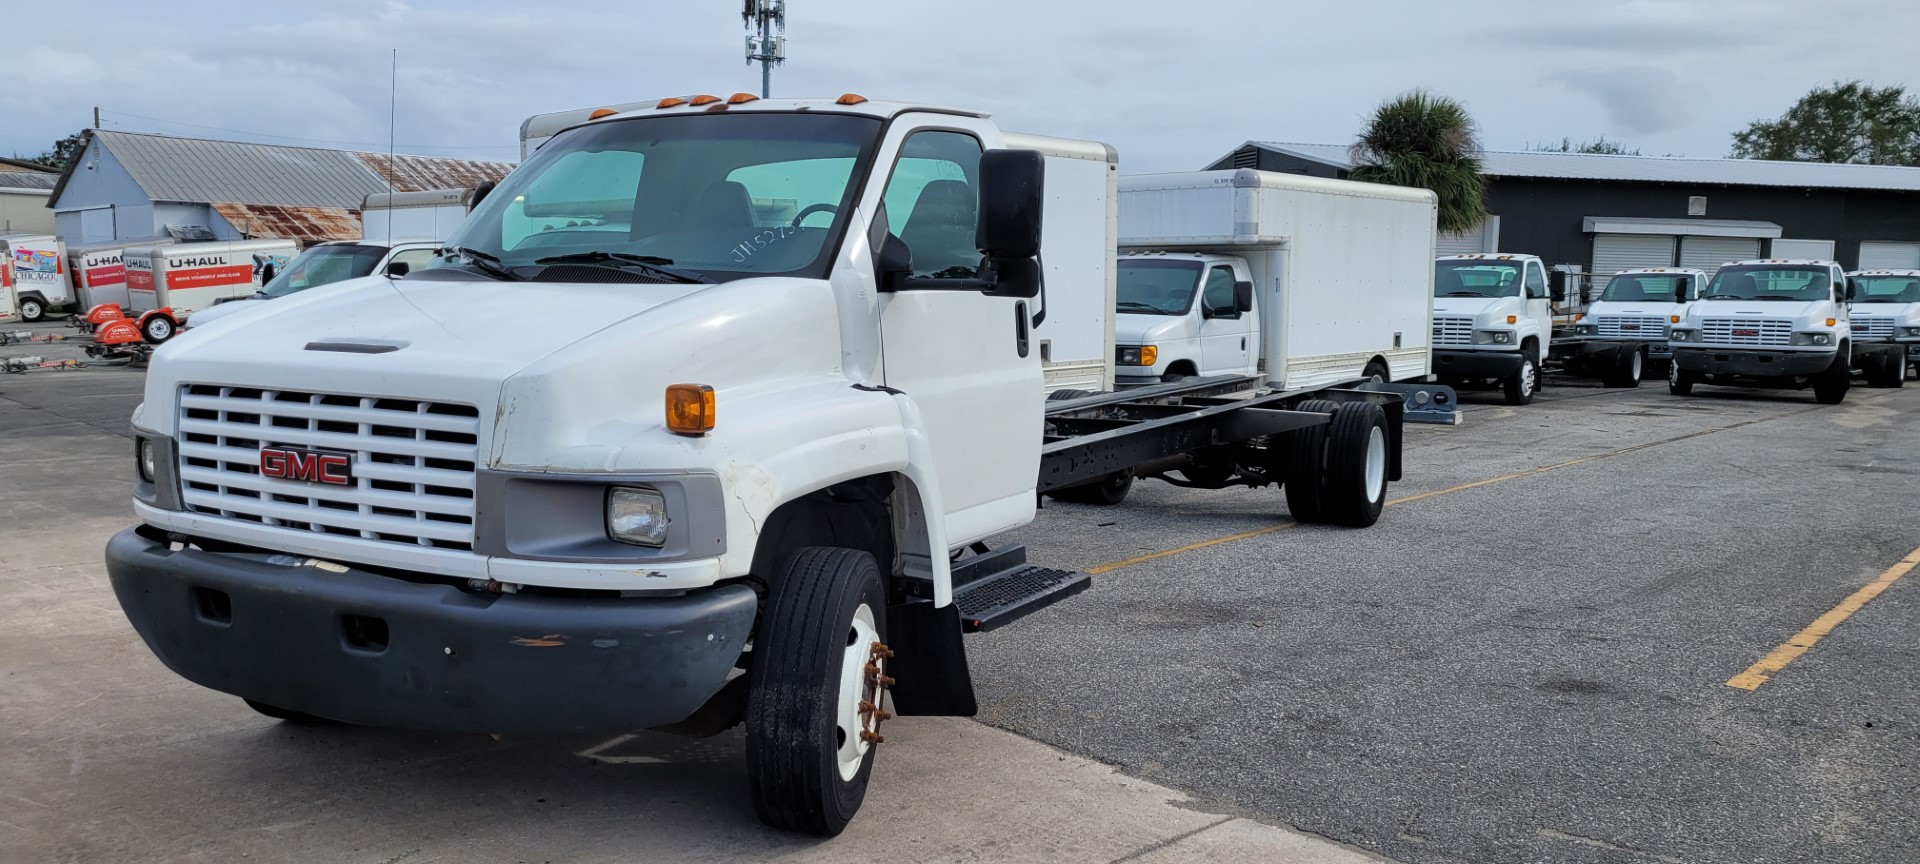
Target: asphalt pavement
{"type": "Point", "coordinates": [1526, 660]}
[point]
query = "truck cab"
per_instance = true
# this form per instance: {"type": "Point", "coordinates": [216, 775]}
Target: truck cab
{"type": "Point", "coordinates": [1778, 323]}
{"type": "Point", "coordinates": [1492, 321]}
{"type": "Point", "coordinates": [1639, 306]}
{"type": "Point", "coordinates": [1179, 316]}
{"type": "Point", "coordinates": [1886, 308]}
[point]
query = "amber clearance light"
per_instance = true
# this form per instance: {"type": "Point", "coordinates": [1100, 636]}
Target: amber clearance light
{"type": "Point", "coordinates": [689, 409]}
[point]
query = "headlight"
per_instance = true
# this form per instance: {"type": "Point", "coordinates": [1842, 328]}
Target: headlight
{"type": "Point", "coordinates": [1585, 329]}
{"type": "Point", "coordinates": [1678, 335]}
{"type": "Point", "coordinates": [144, 451]}
{"type": "Point", "coordinates": [1136, 355]}
{"type": "Point", "coordinates": [1813, 338]}
{"type": "Point", "coordinates": [1910, 331]}
{"type": "Point", "coordinates": [637, 515]}
{"type": "Point", "coordinates": [1494, 337]}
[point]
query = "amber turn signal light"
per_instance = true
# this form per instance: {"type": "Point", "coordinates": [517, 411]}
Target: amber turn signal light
{"type": "Point", "coordinates": [689, 409]}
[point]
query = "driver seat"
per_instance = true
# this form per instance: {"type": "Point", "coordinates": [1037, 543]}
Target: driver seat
{"type": "Point", "coordinates": [724, 204]}
{"type": "Point", "coordinates": [1450, 280]}
{"type": "Point", "coordinates": [940, 229]}
{"type": "Point", "coordinates": [1740, 285]}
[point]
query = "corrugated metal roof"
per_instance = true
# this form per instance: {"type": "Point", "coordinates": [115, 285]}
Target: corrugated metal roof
{"type": "Point", "coordinates": [309, 225]}
{"type": "Point", "coordinates": [27, 180]}
{"type": "Point", "coordinates": [1654, 169]}
{"type": "Point", "coordinates": [199, 170]}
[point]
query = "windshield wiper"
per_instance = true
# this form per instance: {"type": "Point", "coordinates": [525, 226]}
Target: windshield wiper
{"type": "Point", "coordinates": [1727, 297]}
{"type": "Point", "coordinates": [1776, 297]}
{"type": "Point", "coordinates": [1144, 307]}
{"type": "Point", "coordinates": [491, 265]}
{"type": "Point", "coordinates": [1467, 294]}
{"type": "Point", "coordinates": [650, 263]}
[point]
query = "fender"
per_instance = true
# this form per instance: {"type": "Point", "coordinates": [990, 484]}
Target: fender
{"type": "Point", "coordinates": [118, 331]}
{"type": "Point", "coordinates": [102, 313]}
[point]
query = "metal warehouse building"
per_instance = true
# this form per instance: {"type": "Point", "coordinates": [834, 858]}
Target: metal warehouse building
{"type": "Point", "coordinates": [134, 186]}
{"type": "Point", "coordinates": [1603, 214]}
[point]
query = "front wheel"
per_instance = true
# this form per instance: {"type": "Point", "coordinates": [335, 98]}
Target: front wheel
{"type": "Point", "coordinates": [814, 693]}
{"type": "Point", "coordinates": [1830, 387]}
{"type": "Point", "coordinates": [1679, 381]}
{"type": "Point", "coordinates": [1524, 382]}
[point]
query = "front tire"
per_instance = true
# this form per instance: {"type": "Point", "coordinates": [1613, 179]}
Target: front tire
{"type": "Point", "coordinates": [1524, 382]}
{"type": "Point", "coordinates": [1679, 381]}
{"type": "Point", "coordinates": [808, 760]}
{"type": "Point", "coordinates": [1831, 386]}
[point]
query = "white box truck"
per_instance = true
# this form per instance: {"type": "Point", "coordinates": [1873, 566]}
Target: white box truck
{"type": "Point", "coordinates": [165, 284]}
{"type": "Point", "coordinates": [395, 217]}
{"type": "Point", "coordinates": [680, 461]}
{"type": "Point", "coordinates": [40, 281]}
{"type": "Point", "coordinates": [1638, 306]}
{"type": "Point", "coordinates": [1306, 281]}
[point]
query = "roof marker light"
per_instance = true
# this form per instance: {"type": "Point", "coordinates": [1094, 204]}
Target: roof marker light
{"type": "Point", "coordinates": [850, 99]}
{"type": "Point", "coordinates": [601, 112]}
{"type": "Point", "coordinates": [742, 98]}
{"type": "Point", "coordinates": [671, 102]}
{"type": "Point", "coordinates": [703, 99]}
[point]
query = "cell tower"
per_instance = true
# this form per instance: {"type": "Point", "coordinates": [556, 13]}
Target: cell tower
{"type": "Point", "coordinates": [770, 50]}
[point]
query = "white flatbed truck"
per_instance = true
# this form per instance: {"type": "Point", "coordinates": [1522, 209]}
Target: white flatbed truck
{"type": "Point", "coordinates": [723, 449]}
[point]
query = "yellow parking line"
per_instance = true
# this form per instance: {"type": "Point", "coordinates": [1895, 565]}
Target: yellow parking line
{"type": "Point", "coordinates": [1141, 559]}
{"type": "Point", "coordinates": [1778, 658]}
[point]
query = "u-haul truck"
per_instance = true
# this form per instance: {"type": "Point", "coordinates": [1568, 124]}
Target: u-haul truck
{"type": "Point", "coordinates": [167, 283]}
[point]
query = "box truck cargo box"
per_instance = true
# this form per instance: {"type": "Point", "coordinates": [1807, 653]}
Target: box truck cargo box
{"type": "Point", "coordinates": [40, 283]}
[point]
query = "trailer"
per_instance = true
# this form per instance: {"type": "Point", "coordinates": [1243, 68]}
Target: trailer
{"type": "Point", "coordinates": [397, 217]}
{"type": "Point", "coordinates": [40, 280]}
{"type": "Point", "coordinates": [100, 278]}
{"type": "Point", "coordinates": [165, 284]}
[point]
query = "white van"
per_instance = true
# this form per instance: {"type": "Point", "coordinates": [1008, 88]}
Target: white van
{"type": "Point", "coordinates": [165, 284]}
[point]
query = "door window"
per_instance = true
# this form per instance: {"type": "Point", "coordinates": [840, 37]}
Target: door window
{"type": "Point", "coordinates": [931, 202]}
{"type": "Point", "coordinates": [415, 259]}
{"type": "Point", "coordinates": [1536, 282]}
{"type": "Point", "coordinates": [1218, 296]}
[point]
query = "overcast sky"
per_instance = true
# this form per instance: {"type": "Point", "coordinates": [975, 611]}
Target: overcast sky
{"type": "Point", "coordinates": [1173, 85]}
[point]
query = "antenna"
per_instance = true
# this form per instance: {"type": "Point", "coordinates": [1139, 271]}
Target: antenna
{"type": "Point", "coordinates": [393, 110]}
{"type": "Point", "coordinates": [766, 48]}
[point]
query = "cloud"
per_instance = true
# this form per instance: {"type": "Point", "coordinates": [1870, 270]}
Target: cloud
{"type": "Point", "coordinates": [1639, 99]}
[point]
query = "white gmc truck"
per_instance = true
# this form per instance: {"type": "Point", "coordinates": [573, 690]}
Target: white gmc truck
{"type": "Point", "coordinates": [1779, 323]}
{"type": "Point", "coordinates": [702, 417]}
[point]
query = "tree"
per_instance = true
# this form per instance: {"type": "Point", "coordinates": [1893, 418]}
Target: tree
{"type": "Point", "coordinates": [63, 150]}
{"type": "Point", "coordinates": [1600, 146]}
{"type": "Point", "coordinates": [1419, 139]}
{"type": "Point", "coordinates": [1851, 122]}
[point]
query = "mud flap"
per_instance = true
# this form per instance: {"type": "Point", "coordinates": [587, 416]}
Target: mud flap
{"type": "Point", "coordinates": [929, 664]}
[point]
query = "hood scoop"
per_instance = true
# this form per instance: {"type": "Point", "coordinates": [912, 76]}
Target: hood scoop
{"type": "Point", "coordinates": [357, 346]}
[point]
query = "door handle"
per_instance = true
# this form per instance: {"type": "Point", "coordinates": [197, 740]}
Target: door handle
{"type": "Point", "coordinates": [1020, 340]}
{"type": "Point", "coordinates": [1243, 343]}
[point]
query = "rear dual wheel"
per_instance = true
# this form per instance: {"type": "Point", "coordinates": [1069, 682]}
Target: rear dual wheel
{"type": "Point", "coordinates": [1627, 371]}
{"type": "Point", "coordinates": [1337, 473]}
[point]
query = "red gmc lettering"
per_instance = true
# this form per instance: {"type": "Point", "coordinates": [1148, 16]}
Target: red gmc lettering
{"type": "Point", "coordinates": [334, 469]}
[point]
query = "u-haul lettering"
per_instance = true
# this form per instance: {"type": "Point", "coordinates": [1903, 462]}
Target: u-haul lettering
{"type": "Point", "coordinates": [140, 274]}
{"type": "Point", "coordinates": [103, 268]}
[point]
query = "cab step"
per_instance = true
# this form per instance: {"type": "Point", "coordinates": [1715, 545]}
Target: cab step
{"type": "Point", "coordinates": [1000, 587]}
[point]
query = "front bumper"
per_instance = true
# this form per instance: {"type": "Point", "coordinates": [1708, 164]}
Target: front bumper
{"type": "Point", "coordinates": [279, 629]}
{"type": "Point", "coordinates": [1460, 364]}
{"type": "Point", "coordinates": [1750, 363]}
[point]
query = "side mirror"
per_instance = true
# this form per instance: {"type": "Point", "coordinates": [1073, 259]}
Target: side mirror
{"type": "Point", "coordinates": [266, 273]}
{"type": "Point", "coordinates": [1558, 280]}
{"type": "Point", "coordinates": [1852, 289]}
{"type": "Point", "coordinates": [480, 193]}
{"type": "Point", "coordinates": [1012, 193]}
{"type": "Point", "coordinates": [398, 269]}
{"type": "Point", "coordinates": [1243, 296]}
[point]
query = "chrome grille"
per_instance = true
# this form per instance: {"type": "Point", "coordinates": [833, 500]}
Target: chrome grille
{"type": "Point", "coordinates": [1453, 331]}
{"type": "Point", "coordinates": [1652, 328]}
{"type": "Point", "coordinates": [413, 463]}
{"type": "Point", "coordinates": [1746, 331]}
{"type": "Point", "coordinates": [1873, 327]}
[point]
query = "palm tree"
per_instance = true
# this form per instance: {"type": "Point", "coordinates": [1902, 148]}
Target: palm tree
{"type": "Point", "coordinates": [1419, 139]}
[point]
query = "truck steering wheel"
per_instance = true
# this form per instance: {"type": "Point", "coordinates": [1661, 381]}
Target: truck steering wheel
{"type": "Point", "coordinates": [809, 210]}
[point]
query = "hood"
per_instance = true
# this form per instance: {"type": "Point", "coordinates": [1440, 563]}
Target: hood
{"type": "Point", "coordinates": [1622, 307]}
{"type": "Point", "coordinates": [1474, 306]}
{"type": "Point", "coordinates": [1863, 309]}
{"type": "Point", "coordinates": [1129, 329]}
{"type": "Point", "coordinates": [457, 340]}
{"type": "Point", "coordinates": [1794, 309]}
{"type": "Point", "coordinates": [219, 311]}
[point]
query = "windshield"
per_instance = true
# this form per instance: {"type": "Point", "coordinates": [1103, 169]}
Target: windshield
{"type": "Point", "coordinates": [1644, 288]}
{"type": "Point", "coordinates": [1476, 279]}
{"type": "Point", "coordinates": [1887, 289]}
{"type": "Point", "coordinates": [725, 196]}
{"type": "Point", "coordinates": [1157, 287]}
{"type": "Point", "coordinates": [323, 265]}
{"type": "Point", "coordinates": [1770, 282]}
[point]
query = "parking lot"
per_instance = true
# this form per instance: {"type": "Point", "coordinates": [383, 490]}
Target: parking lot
{"type": "Point", "coordinates": [1528, 659]}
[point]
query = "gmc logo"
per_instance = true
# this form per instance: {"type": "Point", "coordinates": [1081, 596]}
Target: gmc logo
{"type": "Point", "coordinates": [308, 466]}
{"type": "Point", "coordinates": [1739, 332]}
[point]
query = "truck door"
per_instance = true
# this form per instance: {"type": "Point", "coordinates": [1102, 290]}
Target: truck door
{"type": "Point", "coordinates": [1227, 341]}
{"type": "Point", "coordinates": [968, 361]}
{"type": "Point", "coordinates": [1539, 304]}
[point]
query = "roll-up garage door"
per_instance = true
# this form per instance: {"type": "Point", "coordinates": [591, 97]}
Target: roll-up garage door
{"type": "Point", "coordinates": [1474, 240]}
{"type": "Point", "coordinates": [1613, 253]}
{"type": "Point", "coordinates": [1886, 255]}
{"type": "Point", "coordinates": [1708, 253]}
{"type": "Point", "coordinates": [1814, 250]}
